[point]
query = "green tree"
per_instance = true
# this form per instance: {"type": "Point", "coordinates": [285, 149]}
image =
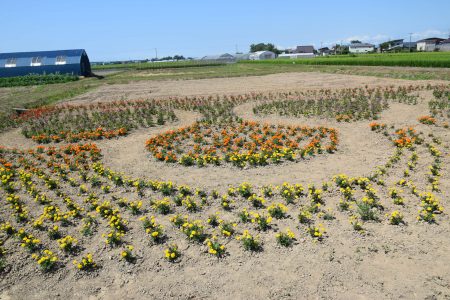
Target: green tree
{"type": "Point", "coordinates": [264, 47]}
{"type": "Point", "coordinates": [178, 57]}
{"type": "Point", "coordinates": [384, 46]}
{"type": "Point", "coordinates": [342, 49]}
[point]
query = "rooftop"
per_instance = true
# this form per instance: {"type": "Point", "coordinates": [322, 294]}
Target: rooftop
{"type": "Point", "coordinates": [304, 49]}
{"type": "Point", "coordinates": [431, 40]}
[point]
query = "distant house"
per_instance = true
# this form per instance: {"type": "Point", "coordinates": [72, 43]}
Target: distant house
{"type": "Point", "coordinates": [226, 57]}
{"type": "Point", "coordinates": [361, 48]}
{"type": "Point", "coordinates": [299, 52]}
{"type": "Point", "coordinates": [324, 51]}
{"type": "Point", "coordinates": [305, 51]}
{"type": "Point", "coordinates": [398, 45]}
{"type": "Point", "coordinates": [394, 45]}
{"type": "Point", "coordinates": [444, 45]}
{"type": "Point", "coordinates": [428, 44]}
{"type": "Point", "coordinates": [74, 62]}
{"type": "Point", "coordinates": [260, 55]}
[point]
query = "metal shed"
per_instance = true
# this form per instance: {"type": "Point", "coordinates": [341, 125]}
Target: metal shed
{"type": "Point", "coordinates": [226, 57]}
{"type": "Point", "coordinates": [260, 55]}
{"type": "Point", "coordinates": [74, 62]}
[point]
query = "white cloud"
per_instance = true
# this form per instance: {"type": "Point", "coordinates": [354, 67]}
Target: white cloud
{"type": "Point", "coordinates": [428, 34]}
{"type": "Point", "coordinates": [374, 39]}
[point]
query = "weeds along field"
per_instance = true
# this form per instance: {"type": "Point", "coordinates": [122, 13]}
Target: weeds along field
{"type": "Point", "coordinates": [67, 216]}
{"type": "Point", "coordinates": [160, 65]}
{"type": "Point", "coordinates": [416, 59]}
{"type": "Point", "coordinates": [35, 79]}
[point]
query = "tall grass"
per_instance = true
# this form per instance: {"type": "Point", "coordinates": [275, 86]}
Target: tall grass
{"type": "Point", "coordinates": [417, 59]}
{"type": "Point", "coordinates": [159, 65]}
{"type": "Point", "coordinates": [36, 79]}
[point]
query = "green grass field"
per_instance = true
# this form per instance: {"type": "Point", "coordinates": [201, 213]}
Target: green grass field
{"type": "Point", "coordinates": [159, 65]}
{"type": "Point", "coordinates": [36, 79]}
{"type": "Point", "coordinates": [415, 59]}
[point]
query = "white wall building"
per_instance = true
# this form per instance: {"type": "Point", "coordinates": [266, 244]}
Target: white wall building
{"type": "Point", "coordinates": [428, 44]}
{"type": "Point", "coordinates": [361, 48]}
{"type": "Point", "coordinates": [299, 52]}
{"type": "Point", "coordinates": [444, 45]}
{"type": "Point", "coordinates": [260, 55]}
{"type": "Point", "coordinates": [296, 55]}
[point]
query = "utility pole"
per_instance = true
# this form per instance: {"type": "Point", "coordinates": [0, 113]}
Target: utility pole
{"type": "Point", "coordinates": [410, 34]}
{"type": "Point", "coordinates": [156, 53]}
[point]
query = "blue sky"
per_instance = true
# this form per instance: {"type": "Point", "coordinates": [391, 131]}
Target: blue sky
{"type": "Point", "coordinates": [113, 29]}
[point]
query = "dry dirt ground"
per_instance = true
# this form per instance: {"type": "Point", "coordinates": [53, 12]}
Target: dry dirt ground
{"type": "Point", "coordinates": [235, 85]}
{"type": "Point", "coordinates": [387, 262]}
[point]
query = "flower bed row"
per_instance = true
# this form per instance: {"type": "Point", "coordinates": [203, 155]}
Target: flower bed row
{"type": "Point", "coordinates": [73, 123]}
{"type": "Point", "coordinates": [70, 137]}
{"type": "Point", "coordinates": [245, 143]}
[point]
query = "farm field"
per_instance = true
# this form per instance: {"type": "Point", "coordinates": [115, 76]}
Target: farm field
{"type": "Point", "coordinates": [416, 59]}
{"type": "Point", "coordinates": [291, 185]}
{"type": "Point", "coordinates": [34, 96]}
{"type": "Point", "coordinates": [158, 65]}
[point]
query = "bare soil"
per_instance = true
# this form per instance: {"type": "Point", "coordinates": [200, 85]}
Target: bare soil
{"type": "Point", "coordinates": [237, 85]}
{"type": "Point", "coordinates": [387, 262]}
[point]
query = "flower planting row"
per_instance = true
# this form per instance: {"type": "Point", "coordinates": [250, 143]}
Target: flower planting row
{"type": "Point", "coordinates": [241, 143]}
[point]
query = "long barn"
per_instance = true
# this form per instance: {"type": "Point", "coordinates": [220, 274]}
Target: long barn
{"type": "Point", "coordinates": [74, 62]}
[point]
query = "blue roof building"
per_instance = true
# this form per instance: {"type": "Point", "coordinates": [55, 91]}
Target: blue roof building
{"type": "Point", "coordinates": [74, 62]}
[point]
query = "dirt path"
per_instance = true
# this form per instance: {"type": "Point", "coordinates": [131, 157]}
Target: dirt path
{"type": "Point", "coordinates": [235, 85]}
{"type": "Point", "coordinates": [14, 139]}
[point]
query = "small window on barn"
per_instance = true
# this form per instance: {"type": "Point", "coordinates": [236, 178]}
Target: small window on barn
{"type": "Point", "coordinates": [10, 63]}
{"type": "Point", "coordinates": [60, 60]}
{"type": "Point", "coordinates": [36, 61]}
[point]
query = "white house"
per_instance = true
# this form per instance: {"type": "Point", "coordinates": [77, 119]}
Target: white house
{"type": "Point", "coordinates": [299, 52]}
{"type": "Point", "coordinates": [260, 55]}
{"type": "Point", "coordinates": [428, 44]}
{"type": "Point", "coordinates": [444, 45]}
{"type": "Point", "coordinates": [361, 48]}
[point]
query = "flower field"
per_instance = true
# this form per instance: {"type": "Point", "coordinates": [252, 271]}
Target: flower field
{"type": "Point", "coordinates": [343, 105]}
{"type": "Point", "coordinates": [241, 143]}
{"type": "Point", "coordinates": [67, 212]}
{"type": "Point", "coordinates": [91, 122]}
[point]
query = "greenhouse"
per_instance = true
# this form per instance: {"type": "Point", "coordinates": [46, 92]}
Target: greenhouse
{"type": "Point", "coordinates": [74, 62]}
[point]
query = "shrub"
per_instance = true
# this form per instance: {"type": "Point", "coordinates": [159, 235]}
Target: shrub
{"type": "Point", "coordinates": [249, 242]}
{"type": "Point", "coordinates": [285, 239]}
